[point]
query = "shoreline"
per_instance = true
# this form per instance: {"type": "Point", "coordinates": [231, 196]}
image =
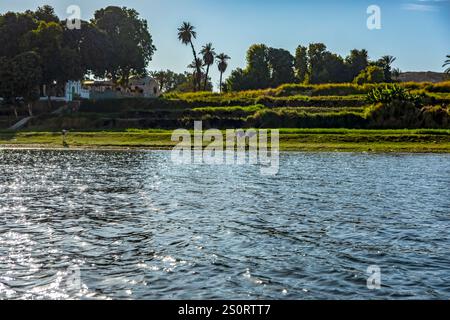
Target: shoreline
{"type": "Point", "coordinates": [426, 149]}
{"type": "Point", "coordinates": [307, 140]}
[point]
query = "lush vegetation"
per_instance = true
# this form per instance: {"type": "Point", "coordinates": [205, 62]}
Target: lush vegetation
{"type": "Point", "coordinates": [409, 105]}
{"type": "Point", "coordinates": [40, 50]}
{"type": "Point", "coordinates": [290, 139]}
{"type": "Point", "coordinates": [271, 67]}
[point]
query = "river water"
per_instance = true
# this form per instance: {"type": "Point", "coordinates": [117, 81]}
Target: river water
{"type": "Point", "coordinates": [133, 225]}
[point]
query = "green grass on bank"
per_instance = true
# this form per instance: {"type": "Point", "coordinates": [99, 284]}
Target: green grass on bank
{"type": "Point", "coordinates": [421, 140]}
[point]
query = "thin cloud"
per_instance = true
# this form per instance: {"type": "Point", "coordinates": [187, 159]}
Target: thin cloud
{"type": "Point", "coordinates": [419, 7]}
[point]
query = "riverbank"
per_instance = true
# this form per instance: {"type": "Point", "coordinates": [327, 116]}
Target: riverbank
{"type": "Point", "coordinates": [341, 140]}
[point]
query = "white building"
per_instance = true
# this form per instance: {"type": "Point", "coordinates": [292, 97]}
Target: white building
{"type": "Point", "coordinates": [74, 90]}
{"type": "Point", "coordinates": [147, 87]}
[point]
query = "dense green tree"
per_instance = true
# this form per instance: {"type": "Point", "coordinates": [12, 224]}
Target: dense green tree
{"type": "Point", "coordinates": [301, 64]}
{"type": "Point", "coordinates": [237, 81]}
{"type": "Point", "coordinates": [281, 64]}
{"type": "Point", "coordinates": [316, 52]}
{"type": "Point", "coordinates": [186, 34]}
{"type": "Point", "coordinates": [93, 47]}
{"type": "Point", "coordinates": [257, 71]}
{"type": "Point", "coordinates": [8, 88]}
{"type": "Point", "coordinates": [27, 78]}
{"type": "Point", "coordinates": [46, 41]}
{"type": "Point", "coordinates": [209, 55]}
{"type": "Point", "coordinates": [13, 28]}
{"type": "Point", "coordinates": [222, 65]}
{"type": "Point", "coordinates": [45, 13]}
{"type": "Point", "coordinates": [334, 69]}
{"type": "Point", "coordinates": [132, 44]}
{"type": "Point", "coordinates": [357, 61]}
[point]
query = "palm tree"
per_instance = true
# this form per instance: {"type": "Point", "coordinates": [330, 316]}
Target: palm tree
{"type": "Point", "coordinates": [386, 63]}
{"type": "Point", "coordinates": [447, 63]}
{"type": "Point", "coordinates": [208, 58]}
{"type": "Point", "coordinates": [222, 63]}
{"type": "Point", "coordinates": [185, 34]}
{"type": "Point", "coordinates": [197, 72]}
{"type": "Point", "coordinates": [388, 60]}
{"type": "Point", "coordinates": [396, 73]}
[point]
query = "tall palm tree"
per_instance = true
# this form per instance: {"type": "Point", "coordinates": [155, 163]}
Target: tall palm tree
{"type": "Point", "coordinates": [447, 63]}
{"type": "Point", "coordinates": [186, 33]}
{"type": "Point", "coordinates": [208, 59]}
{"type": "Point", "coordinates": [222, 64]}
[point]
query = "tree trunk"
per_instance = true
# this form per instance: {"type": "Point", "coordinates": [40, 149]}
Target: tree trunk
{"type": "Point", "coordinates": [220, 88]}
{"type": "Point", "coordinates": [30, 109]}
{"type": "Point", "coordinates": [206, 78]}
{"type": "Point", "coordinates": [15, 112]}
{"type": "Point", "coordinates": [199, 72]}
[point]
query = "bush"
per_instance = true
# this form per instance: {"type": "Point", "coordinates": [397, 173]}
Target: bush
{"type": "Point", "coordinates": [394, 115]}
{"type": "Point", "coordinates": [291, 118]}
{"type": "Point", "coordinates": [394, 93]}
{"type": "Point", "coordinates": [436, 117]}
{"type": "Point", "coordinates": [372, 74]}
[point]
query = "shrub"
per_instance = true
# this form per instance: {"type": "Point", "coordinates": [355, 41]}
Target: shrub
{"type": "Point", "coordinates": [394, 93]}
{"type": "Point", "coordinates": [436, 117]}
{"type": "Point", "coordinates": [372, 74]}
{"type": "Point", "coordinates": [291, 118]}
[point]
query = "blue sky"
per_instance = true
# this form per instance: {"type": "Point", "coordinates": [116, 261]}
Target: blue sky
{"type": "Point", "coordinates": [417, 32]}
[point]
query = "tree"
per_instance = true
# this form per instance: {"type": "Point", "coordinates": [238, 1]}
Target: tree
{"type": "Point", "coordinates": [13, 28]}
{"type": "Point", "coordinates": [222, 65]}
{"type": "Point", "coordinates": [281, 64]}
{"type": "Point", "coordinates": [334, 69]}
{"type": "Point", "coordinates": [257, 73]}
{"type": "Point", "coordinates": [131, 43]}
{"type": "Point", "coordinates": [188, 84]}
{"type": "Point", "coordinates": [208, 59]}
{"type": "Point", "coordinates": [372, 74]}
{"type": "Point", "coordinates": [27, 74]}
{"type": "Point", "coordinates": [45, 13]}
{"type": "Point", "coordinates": [447, 63]}
{"type": "Point", "coordinates": [316, 52]}
{"type": "Point", "coordinates": [237, 81]}
{"type": "Point", "coordinates": [257, 70]}
{"type": "Point", "coordinates": [168, 80]}
{"type": "Point", "coordinates": [357, 61]}
{"type": "Point", "coordinates": [301, 64]}
{"type": "Point", "coordinates": [386, 62]}
{"type": "Point", "coordinates": [396, 72]}
{"type": "Point", "coordinates": [197, 77]}
{"type": "Point", "coordinates": [185, 34]}
{"type": "Point", "coordinates": [7, 84]}
{"type": "Point", "coordinates": [92, 47]}
{"type": "Point", "coordinates": [46, 41]}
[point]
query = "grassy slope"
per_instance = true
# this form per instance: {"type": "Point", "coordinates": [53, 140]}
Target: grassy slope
{"type": "Point", "coordinates": [290, 139]}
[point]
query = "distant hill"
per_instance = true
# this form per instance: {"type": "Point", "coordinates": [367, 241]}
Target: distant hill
{"type": "Point", "coordinates": [426, 76]}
